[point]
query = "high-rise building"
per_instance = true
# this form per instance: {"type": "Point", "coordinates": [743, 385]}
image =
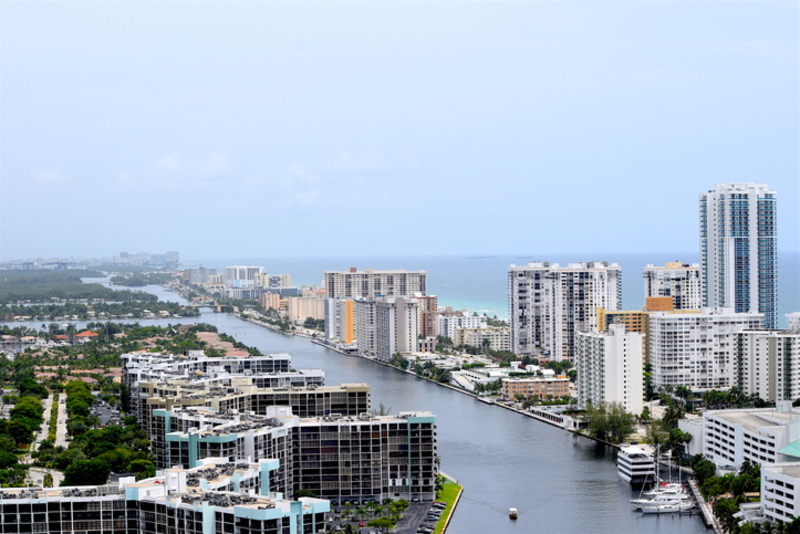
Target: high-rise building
{"type": "Point", "coordinates": [739, 249]}
{"type": "Point", "coordinates": [767, 364]}
{"type": "Point", "coordinates": [242, 275]}
{"type": "Point", "coordinates": [370, 283]}
{"type": "Point", "coordinates": [549, 304]}
{"type": "Point", "coordinates": [680, 281]}
{"type": "Point", "coordinates": [340, 320]}
{"type": "Point", "coordinates": [364, 311]}
{"type": "Point", "coordinates": [694, 349]}
{"type": "Point", "coordinates": [427, 306]}
{"type": "Point", "coordinates": [610, 368]}
{"type": "Point", "coordinates": [396, 328]}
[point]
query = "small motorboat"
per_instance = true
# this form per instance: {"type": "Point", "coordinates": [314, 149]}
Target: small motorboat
{"type": "Point", "coordinates": [512, 513]}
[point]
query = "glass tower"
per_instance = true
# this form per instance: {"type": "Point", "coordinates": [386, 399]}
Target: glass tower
{"type": "Point", "coordinates": [739, 249]}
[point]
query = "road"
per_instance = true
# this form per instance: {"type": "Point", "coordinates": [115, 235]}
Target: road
{"type": "Point", "coordinates": [43, 430]}
{"type": "Point", "coordinates": [61, 429]}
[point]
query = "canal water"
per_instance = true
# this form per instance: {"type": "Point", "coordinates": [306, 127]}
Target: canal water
{"type": "Point", "coordinates": [559, 483]}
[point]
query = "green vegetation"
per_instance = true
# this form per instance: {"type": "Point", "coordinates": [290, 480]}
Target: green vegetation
{"type": "Point", "coordinates": [609, 422]}
{"type": "Point", "coordinates": [95, 452]}
{"type": "Point", "coordinates": [429, 370]}
{"type": "Point", "coordinates": [47, 286]}
{"type": "Point", "coordinates": [665, 433]}
{"type": "Point", "coordinates": [71, 310]}
{"type": "Point", "coordinates": [447, 494]}
{"type": "Point", "coordinates": [141, 279]}
{"type": "Point", "coordinates": [398, 361]}
{"type": "Point", "coordinates": [314, 324]}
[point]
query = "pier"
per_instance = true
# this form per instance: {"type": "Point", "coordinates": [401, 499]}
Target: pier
{"type": "Point", "coordinates": [705, 509]}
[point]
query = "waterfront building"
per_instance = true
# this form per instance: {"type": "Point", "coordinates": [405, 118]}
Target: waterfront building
{"type": "Point", "coordinates": [535, 387]}
{"type": "Point", "coordinates": [694, 349]}
{"type": "Point", "coordinates": [270, 300]}
{"type": "Point", "coordinates": [396, 328]}
{"type": "Point", "coordinates": [364, 311]}
{"type": "Point", "coordinates": [369, 283]}
{"type": "Point", "coordinates": [240, 396]}
{"type": "Point", "coordinates": [340, 320]}
{"type": "Point", "coordinates": [496, 338]}
{"type": "Point", "coordinates": [549, 304]}
{"type": "Point", "coordinates": [739, 249]}
{"type": "Point", "coordinates": [780, 491]}
{"type": "Point", "coordinates": [301, 308]}
{"type": "Point", "coordinates": [610, 368]}
{"type": "Point", "coordinates": [764, 435]}
{"type": "Point", "coordinates": [767, 364]}
{"type": "Point", "coordinates": [680, 281]}
{"type": "Point", "coordinates": [362, 458]}
{"type": "Point", "coordinates": [173, 259]}
{"type": "Point", "coordinates": [448, 323]}
{"type": "Point", "coordinates": [242, 275]}
{"type": "Point", "coordinates": [216, 496]}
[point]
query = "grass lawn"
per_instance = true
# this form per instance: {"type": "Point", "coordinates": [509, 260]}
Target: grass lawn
{"type": "Point", "coordinates": [448, 495]}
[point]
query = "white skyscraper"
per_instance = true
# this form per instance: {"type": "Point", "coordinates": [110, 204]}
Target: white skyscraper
{"type": "Point", "coordinates": [610, 368]}
{"type": "Point", "coordinates": [739, 249]}
{"type": "Point", "coordinates": [550, 304]}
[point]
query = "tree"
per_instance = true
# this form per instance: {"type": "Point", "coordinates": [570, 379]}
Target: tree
{"type": "Point", "coordinates": [86, 473]}
{"type": "Point", "coordinates": [383, 524]}
{"type": "Point", "coordinates": [610, 421]}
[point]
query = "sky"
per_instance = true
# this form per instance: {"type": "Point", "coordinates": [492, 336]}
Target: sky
{"type": "Point", "coordinates": [275, 129]}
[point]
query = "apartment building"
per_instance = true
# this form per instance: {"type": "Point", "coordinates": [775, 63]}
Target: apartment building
{"type": "Point", "coordinates": [370, 283]}
{"type": "Point", "coordinates": [300, 308]}
{"type": "Point", "coordinates": [535, 387]}
{"type": "Point", "coordinates": [494, 337]}
{"type": "Point", "coordinates": [340, 320]}
{"type": "Point", "coordinates": [550, 304]}
{"type": "Point", "coordinates": [739, 249]}
{"type": "Point", "coordinates": [396, 328]}
{"type": "Point", "coordinates": [765, 435]}
{"type": "Point", "coordinates": [363, 458]}
{"type": "Point", "coordinates": [243, 275]}
{"type": "Point", "coordinates": [680, 281]}
{"type": "Point", "coordinates": [364, 311]}
{"type": "Point", "coordinates": [448, 323]}
{"type": "Point", "coordinates": [767, 364]}
{"type": "Point", "coordinates": [216, 496]}
{"type": "Point", "coordinates": [610, 368]}
{"type": "Point", "coordinates": [427, 308]}
{"type": "Point", "coordinates": [270, 300]}
{"type": "Point", "coordinates": [696, 349]}
{"type": "Point", "coordinates": [239, 395]}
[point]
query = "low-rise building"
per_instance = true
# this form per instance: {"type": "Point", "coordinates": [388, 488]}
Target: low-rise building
{"type": "Point", "coordinates": [496, 338]}
{"type": "Point", "coordinates": [447, 324]}
{"type": "Point", "coordinates": [780, 491]}
{"type": "Point", "coordinates": [535, 387]}
{"type": "Point", "coordinates": [765, 435]}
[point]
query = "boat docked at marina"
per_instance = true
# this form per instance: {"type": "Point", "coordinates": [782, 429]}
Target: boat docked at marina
{"type": "Point", "coordinates": [682, 506]}
{"type": "Point", "coordinates": [635, 465]}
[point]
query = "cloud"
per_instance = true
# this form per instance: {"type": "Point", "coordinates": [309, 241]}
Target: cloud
{"type": "Point", "coordinates": [175, 173]}
{"type": "Point", "coordinates": [49, 178]}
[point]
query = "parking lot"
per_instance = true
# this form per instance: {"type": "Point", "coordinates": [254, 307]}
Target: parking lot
{"type": "Point", "coordinates": [413, 517]}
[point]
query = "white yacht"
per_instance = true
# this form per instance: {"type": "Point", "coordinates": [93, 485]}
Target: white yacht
{"type": "Point", "coordinates": [635, 465]}
{"type": "Point", "coordinates": [682, 506]}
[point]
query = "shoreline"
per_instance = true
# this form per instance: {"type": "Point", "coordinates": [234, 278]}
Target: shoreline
{"type": "Point", "coordinates": [316, 341]}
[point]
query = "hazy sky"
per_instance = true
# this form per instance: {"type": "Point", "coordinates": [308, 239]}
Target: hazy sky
{"type": "Point", "coordinates": [257, 129]}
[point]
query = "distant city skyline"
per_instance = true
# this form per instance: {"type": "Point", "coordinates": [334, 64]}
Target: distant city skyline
{"type": "Point", "coordinates": [351, 129]}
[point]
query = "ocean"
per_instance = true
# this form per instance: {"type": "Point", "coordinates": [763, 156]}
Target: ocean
{"type": "Point", "coordinates": [480, 283]}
